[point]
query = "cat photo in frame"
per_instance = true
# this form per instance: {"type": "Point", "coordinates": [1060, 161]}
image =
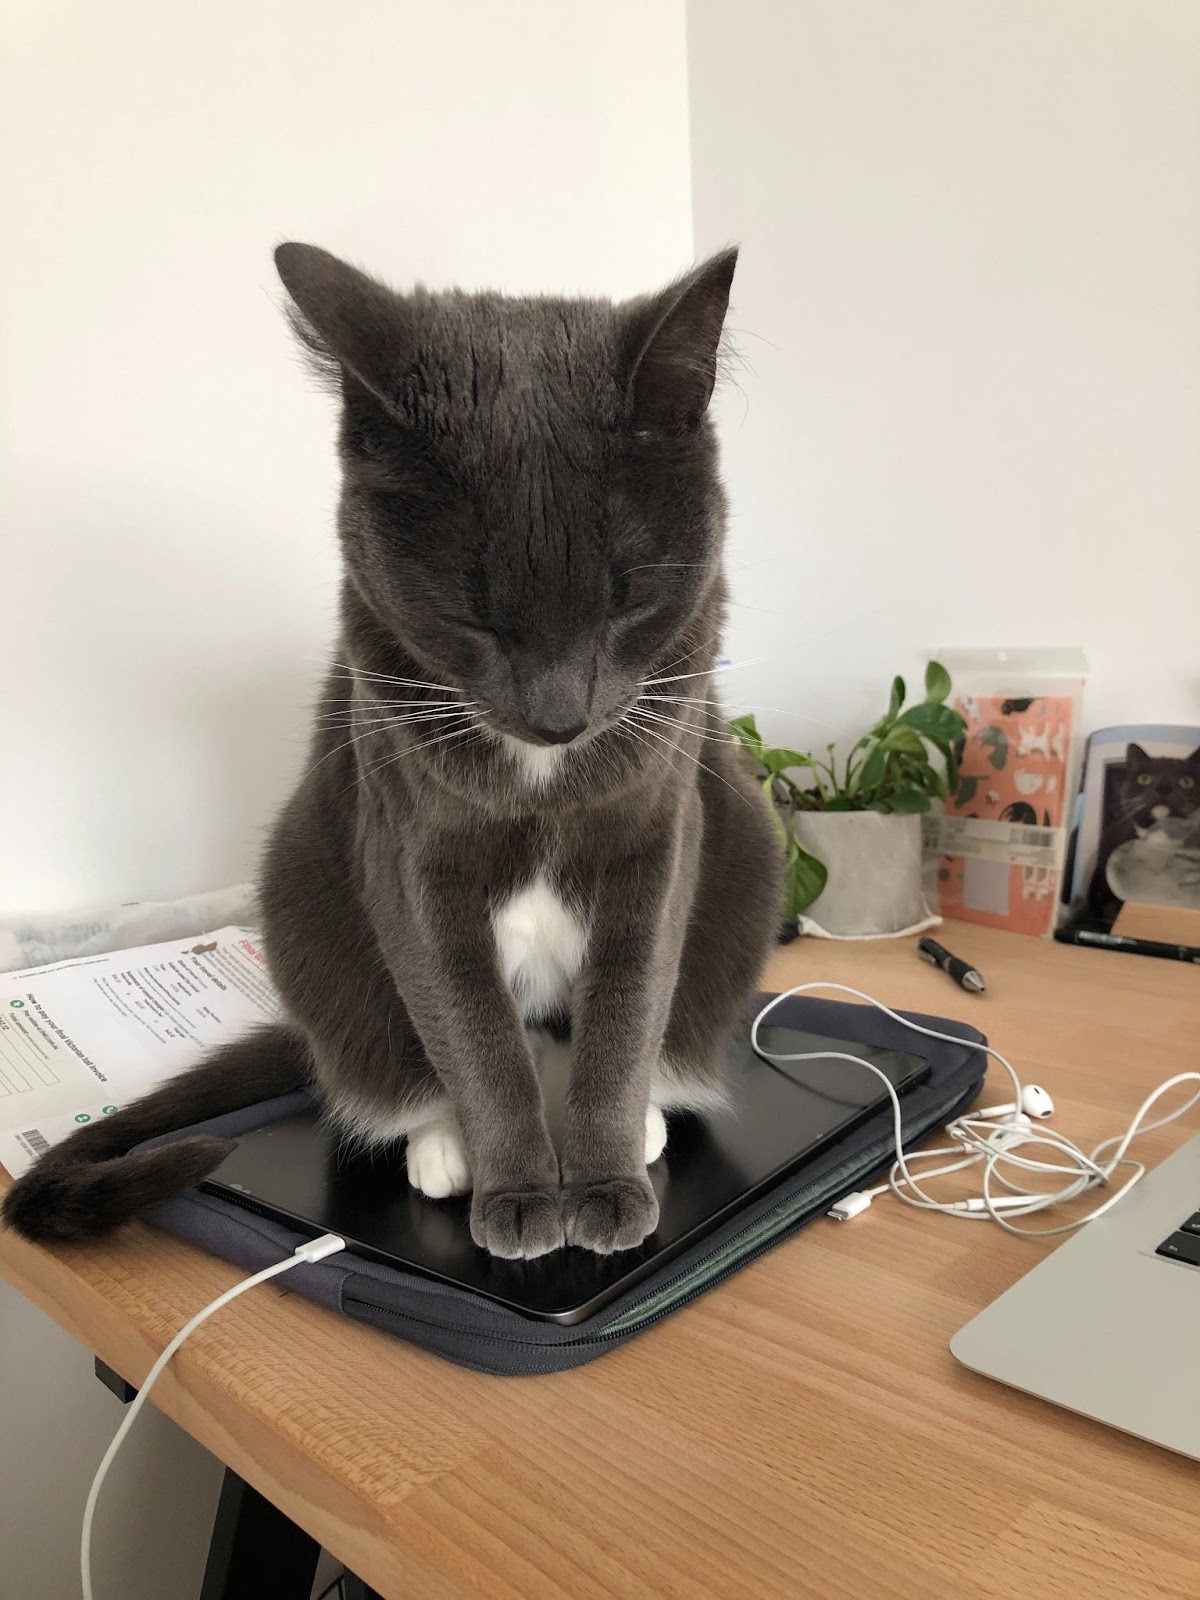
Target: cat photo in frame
{"type": "Point", "coordinates": [1137, 835]}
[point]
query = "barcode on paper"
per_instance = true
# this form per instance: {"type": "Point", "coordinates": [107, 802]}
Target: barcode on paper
{"type": "Point", "coordinates": [1018, 844]}
{"type": "Point", "coordinates": [35, 1141]}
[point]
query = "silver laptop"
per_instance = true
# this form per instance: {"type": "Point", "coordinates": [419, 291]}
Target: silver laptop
{"type": "Point", "coordinates": [1108, 1323]}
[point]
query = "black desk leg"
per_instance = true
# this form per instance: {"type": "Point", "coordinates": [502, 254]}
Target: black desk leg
{"type": "Point", "coordinates": [125, 1392]}
{"type": "Point", "coordinates": [256, 1551]}
{"type": "Point", "coordinates": [355, 1589]}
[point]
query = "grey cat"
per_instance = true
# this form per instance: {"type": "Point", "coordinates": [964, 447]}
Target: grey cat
{"type": "Point", "coordinates": [1153, 791]}
{"type": "Point", "coordinates": [520, 811]}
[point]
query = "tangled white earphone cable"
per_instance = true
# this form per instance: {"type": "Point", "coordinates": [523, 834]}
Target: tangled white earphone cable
{"type": "Point", "coordinates": [991, 1140]}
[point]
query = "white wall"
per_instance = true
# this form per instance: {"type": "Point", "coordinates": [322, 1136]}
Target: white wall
{"type": "Point", "coordinates": [167, 475]}
{"type": "Point", "coordinates": [971, 288]}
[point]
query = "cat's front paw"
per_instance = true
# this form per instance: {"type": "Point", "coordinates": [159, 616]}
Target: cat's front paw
{"type": "Point", "coordinates": [656, 1134]}
{"type": "Point", "coordinates": [609, 1213]}
{"type": "Point", "coordinates": [437, 1159]}
{"type": "Point", "coordinates": [518, 1224]}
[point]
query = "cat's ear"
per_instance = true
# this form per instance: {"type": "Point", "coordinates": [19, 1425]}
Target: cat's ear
{"type": "Point", "coordinates": [1194, 759]}
{"type": "Point", "coordinates": [673, 342]}
{"type": "Point", "coordinates": [343, 317]}
{"type": "Point", "coordinates": [1136, 758]}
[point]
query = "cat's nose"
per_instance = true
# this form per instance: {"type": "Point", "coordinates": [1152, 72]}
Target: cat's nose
{"type": "Point", "coordinates": [555, 698]}
{"type": "Point", "coordinates": [549, 734]}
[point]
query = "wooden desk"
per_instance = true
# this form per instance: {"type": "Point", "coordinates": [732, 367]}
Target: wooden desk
{"type": "Point", "coordinates": [801, 1431]}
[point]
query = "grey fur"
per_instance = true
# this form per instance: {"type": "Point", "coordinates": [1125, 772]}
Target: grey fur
{"type": "Point", "coordinates": [531, 517]}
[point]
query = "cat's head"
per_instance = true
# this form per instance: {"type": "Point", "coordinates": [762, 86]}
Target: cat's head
{"type": "Point", "coordinates": [1157, 787]}
{"type": "Point", "coordinates": [530, 502]}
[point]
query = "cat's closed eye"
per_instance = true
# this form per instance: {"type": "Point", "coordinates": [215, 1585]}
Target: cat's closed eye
{"type": "Point", "coordinates": [618, 592]}
{"type": "Point", "coordinates": [470, 625]}
{"type": "Point", "coordinates": [634, 610]}
{"type": "Point", "coordinates": [629, 602]}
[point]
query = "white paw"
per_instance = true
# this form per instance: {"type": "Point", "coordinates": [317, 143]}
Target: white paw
{"type": "Point", "coordinates": [437, 1160]}
{"type": "Point", "coordinates": [656, 1134]}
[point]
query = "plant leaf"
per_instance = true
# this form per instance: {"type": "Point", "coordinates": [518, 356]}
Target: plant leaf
{"type": "Point", "coordinates": [933, 721]}
{"type": "Point", "coordinates": [910, 800]}
{"type": "Point", "coordinates": [778, 819]}
{"type": "Point", "coordinates": [937, 681]}
{"type": "Point", "coordinates": [778, 760]}
{"type": "Point", "coordinates": [747, 731]}
{"type": "Point", "coordinates": [873, 769]}
{"type": "Point", "coordinates": [839, 802]}
{"type": "Point", "coordinates": [897, 700]}
{"type": "Point", "coordinates": [804, 879]}
{"type": "Point", "coordinates": [902, 737]}
{"type": "Point", "coordinates": [919, 775]}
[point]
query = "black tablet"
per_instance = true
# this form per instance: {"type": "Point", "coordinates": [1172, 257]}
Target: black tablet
{"type": "Point", "coordinates": [777, 1117]}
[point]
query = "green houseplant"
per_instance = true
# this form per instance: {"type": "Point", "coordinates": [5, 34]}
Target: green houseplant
{"type": "Point", "coordinates": [891, 771]}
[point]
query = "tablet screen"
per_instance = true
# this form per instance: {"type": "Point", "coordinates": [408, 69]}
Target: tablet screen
{"type": "Point", "coordinates": [776, 1118]}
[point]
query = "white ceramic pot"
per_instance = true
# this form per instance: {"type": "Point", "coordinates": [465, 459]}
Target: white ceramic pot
{"type": "Point", "coordinates": [874, 862]}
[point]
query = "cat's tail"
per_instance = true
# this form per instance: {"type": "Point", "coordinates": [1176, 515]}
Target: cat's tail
{"type": "Point", "coordinates": [89, 1184]}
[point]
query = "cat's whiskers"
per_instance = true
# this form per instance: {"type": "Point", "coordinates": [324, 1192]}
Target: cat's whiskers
{"type": "Point", "coordinates": [703, 566]}
{"type": "Point", "coordinates": [348, 719]}
{"type": "Point", "coordinates": [597, 755]}
{"type": "Point", "coordinates": [407, 683]}
{"type": "Point", "coordinates": [470, 731]}
{"type": "Point", "coordinates": [353, 700]}
{"type": "Point", "coordinates": [691, 700]}
{"type": "Point", "coordinates": [626, 727]}
{"type": "Point", "coordinates": [384, 677]}
{"type": "Point", "coordinates": [657, 566]}
{"type": "Point", "coordinates": [368, 726]}
{"type": "Point", "coordinates": [345, 745]}
{"type": "Point", "coordinates": [705, 644]}
{"type": "Point", "coordinates": [623, 726]}
{"type": "Point", "coordinates": [728, 666]}
{"type": "Point", "coordinates": [703, 765]}
{"type": "Point", "coordinates": [480, 719]}
{"type": "Point", "coordinates": [683, 727]}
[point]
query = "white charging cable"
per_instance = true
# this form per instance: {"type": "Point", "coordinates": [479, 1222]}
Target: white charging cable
{"type": "Point", "coordinates": [314, 1250]}
{"type": "Point", "coordinates": [991, 1140]}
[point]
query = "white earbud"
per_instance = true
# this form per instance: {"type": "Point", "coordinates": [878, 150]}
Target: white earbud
{"type": "Point", "coordinates": [1035, 1102]}
{"type": "Point", "coordinates": [992, 1146]}
{"type": "Point", "coordinates": [1014, 1132]}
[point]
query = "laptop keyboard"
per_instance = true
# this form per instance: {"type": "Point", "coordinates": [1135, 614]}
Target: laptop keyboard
{"type": "Point", "coordinates": [1184, 1243]}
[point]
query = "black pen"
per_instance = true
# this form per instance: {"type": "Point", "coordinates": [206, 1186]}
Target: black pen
{"type": "Point", "coordinates": [1123, 941]}
{"type": "Point", "coordinates": [962, 972]}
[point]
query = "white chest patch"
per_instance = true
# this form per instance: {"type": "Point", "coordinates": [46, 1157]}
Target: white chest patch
{"type": "Point", "coordinates": [541, 944]}
{"type": "Point", "coordinates": [537, 763]}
